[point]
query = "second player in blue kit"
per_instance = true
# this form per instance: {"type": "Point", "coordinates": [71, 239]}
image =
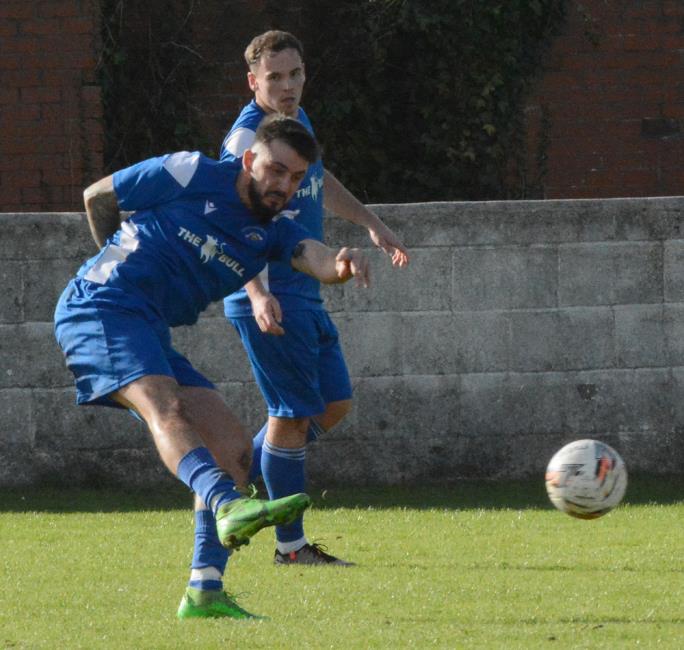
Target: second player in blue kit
{"type": "Point", "coordinates": [291, 341]}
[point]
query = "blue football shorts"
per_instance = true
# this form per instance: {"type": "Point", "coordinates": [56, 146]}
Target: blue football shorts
{"type": "Point", "coordinates": [108, 346]}
{"type": "Point", "coordinates": [303, 370]}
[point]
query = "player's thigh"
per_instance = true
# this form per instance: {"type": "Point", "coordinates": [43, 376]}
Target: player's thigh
{"type": "Point", "coordinates": [285, 367]}
{"type": "Point", "coordinates": [157, 399]}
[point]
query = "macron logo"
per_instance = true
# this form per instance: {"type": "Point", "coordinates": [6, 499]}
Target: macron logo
{"type": "Point", "coordinates": [209, 207]}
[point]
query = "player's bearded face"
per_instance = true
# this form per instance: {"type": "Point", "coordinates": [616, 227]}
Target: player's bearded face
{"type": "Point", "coordinates": [275, 173]}
{"type": "Point", "coordinates": [265, 204]}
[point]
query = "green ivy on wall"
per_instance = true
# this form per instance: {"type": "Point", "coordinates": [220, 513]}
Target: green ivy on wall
{"type": "Point", "coordinates": [419, 100]}
{"type": "Point", "coordinates": [413, 100]}
{"type": "Point", "coordinates": [147, 70]}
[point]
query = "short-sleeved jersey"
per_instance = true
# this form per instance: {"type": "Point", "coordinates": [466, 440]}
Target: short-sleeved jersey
{"type": "Point", "coordinates": [190, 241]}
{"type": "Point", "coordinates": [294, 290]}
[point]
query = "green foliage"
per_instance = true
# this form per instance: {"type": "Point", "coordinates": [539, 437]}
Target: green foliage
{"type": "Point", "coordinates": [147, 71]}
{"type": "Point", "coordinates": [420, 99]}
{"type": "Point", "coordinates": [413, 100]}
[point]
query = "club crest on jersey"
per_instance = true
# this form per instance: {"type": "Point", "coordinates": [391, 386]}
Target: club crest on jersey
{"type": "Point", "coordinates": [254, 234]}
{"type": "Point", "coordinates": [211, 249]}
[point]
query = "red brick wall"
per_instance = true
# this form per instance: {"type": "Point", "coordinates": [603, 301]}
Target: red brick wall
{"type": "Point", "coordinates": [50, 109]}
{"type": "Point", "coordinates": [609, 109]}
{"type": "Point", "coordinates": [606, 117]}
{"type": "Point", "coordinates": [222, 89]}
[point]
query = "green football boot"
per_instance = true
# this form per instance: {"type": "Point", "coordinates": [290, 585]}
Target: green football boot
{"type": "Point", "coordinates": [210, 604]}
{"type": "Point", "coordinates": [242, 518]}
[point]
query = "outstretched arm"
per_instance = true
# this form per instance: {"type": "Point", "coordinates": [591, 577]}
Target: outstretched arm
{"type": "Point", "coordinates": [330, 266]}
{"type": "Point", "coordinates": [338, 199]}
{"type": "Point", "coordinates": [102, 208]}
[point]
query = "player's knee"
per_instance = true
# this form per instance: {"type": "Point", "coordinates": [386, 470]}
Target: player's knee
{"type": "Point", "coordinates": [334, 413]}
{"type": "Point", "coordinates": [174, 412]}
{"type": "Point", "coordinates": [288, 432]}
{"type": "Point", "coordinates": [295, 437]}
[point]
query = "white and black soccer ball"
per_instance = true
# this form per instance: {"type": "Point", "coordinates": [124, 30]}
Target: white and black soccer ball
{"type": "Point", "coordinates": [586, 479]}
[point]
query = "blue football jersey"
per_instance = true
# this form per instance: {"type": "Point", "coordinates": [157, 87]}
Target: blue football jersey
{"type": "Point", "coordinates": [190, 241]}
{"type": "Point", "coordinates": [294, 290]}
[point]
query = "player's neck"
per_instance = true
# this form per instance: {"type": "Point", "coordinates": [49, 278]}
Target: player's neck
{"type": "Point", "coordinates": [268, 110]}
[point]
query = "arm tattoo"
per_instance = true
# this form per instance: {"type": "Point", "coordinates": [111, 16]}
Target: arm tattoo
{"type": "Point", "coordinates": [102, 209]}
{"type": "Point", "coordinates": [298, 250]}
{"type": "Point", "coordinates": [103, 217]}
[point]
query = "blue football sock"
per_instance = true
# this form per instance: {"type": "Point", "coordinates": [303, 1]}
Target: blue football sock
{"type": "Point", "coordinates": [314, 431]}
{"type": "Point", "coordinates": [283, 471]}
{"type": "Point", "coordinates": [199, 471]}
{"type": "Point", "coordinates": [208, 553]}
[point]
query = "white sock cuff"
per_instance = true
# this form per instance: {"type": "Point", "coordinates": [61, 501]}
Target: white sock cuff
{"type": "Point", "coordinates": [288, 547]}
{"type": "Point", "coordinates": [284, 452]}
{"type": "Point", "coordinates": [206, 573]}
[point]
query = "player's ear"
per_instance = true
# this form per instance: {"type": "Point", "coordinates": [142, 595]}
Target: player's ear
{"type": "Point", "coordinates": [252, 81]}
{"type": "Point", "coordinates": [248, 160]}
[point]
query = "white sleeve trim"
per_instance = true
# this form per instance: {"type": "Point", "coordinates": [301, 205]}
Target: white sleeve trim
{"type": "Point", "coordinates": [182, 166]}
{"type": "Point", "coordinates": [114, 254]}
{"type": "Point", "coordinates": [239, 140]}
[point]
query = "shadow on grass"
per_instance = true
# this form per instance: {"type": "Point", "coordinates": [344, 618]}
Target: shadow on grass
{"type": "Point", "coordinates": [517, 495]}
{"type": "Point", "coordinates": [100, 499]}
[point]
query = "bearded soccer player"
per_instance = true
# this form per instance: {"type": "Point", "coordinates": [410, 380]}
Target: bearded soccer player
{"type": "Point", "coordinates": [201, 229]}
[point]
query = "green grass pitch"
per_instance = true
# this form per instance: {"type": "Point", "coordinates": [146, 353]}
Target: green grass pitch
{"type": "Point", "coordinates": [468, 566]}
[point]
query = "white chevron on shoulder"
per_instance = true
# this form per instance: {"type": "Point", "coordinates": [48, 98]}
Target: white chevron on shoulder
{"type": "Point", "coordinates": [239, 141]}
{"type": "Point", "coordinates": [182, 166]}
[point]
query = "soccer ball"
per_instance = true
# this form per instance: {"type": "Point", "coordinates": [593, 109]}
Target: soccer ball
{"type": "Point", "coordinates": [586, 479]}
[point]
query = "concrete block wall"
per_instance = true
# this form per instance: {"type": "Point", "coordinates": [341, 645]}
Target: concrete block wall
{"type": "Point", "coordinates": [518, 327]}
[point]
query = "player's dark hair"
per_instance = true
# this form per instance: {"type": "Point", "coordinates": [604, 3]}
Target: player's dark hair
{"type": "Point", "coordinates": [277, 126]}
{"type": "Point", "coordinates": [271, 41]}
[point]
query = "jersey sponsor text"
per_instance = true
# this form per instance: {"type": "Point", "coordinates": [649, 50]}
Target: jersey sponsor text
{"type": "Point", "coordinates": [211, 249]}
